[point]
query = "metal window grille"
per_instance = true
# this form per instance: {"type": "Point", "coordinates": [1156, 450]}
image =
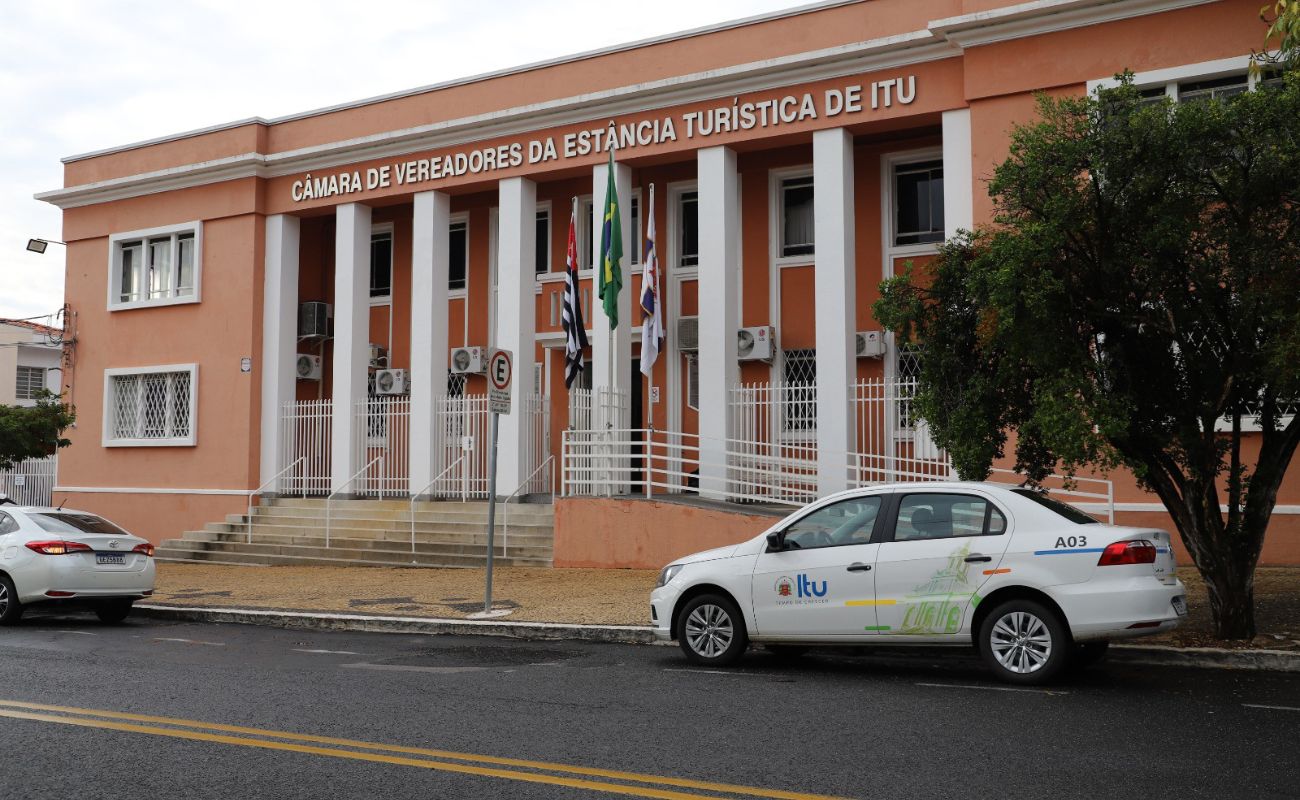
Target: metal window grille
{"type": "Point", "coordinates": [799, 395]}
{"type": "Point", "coordinates": [151, 405]}
{"type": "Point", "coordinates": [31, 381]}
{"type": "Point", "coordinates": [693, 382]}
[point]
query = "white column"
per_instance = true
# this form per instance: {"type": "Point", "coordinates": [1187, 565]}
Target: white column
{"type": "Point", "coordinates": [515, 322]}
{"type": "Point", "coordinates": [719, 289]}
{"type": "Point", "coordinates": [835, 303]}
{"type": "Point", "coordinates": [279, 338]}
{"type": "Point", "coordinates": [958, 175]}
{"type": "Point", "coordinates": [351, 339]}
{"type": "Point", "coordinates": [429, 267]}
{"type": "Point", "coordinates": [619, 340]}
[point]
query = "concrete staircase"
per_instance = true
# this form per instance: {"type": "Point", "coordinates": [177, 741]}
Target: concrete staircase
{"type": "Point", "coordinates": [370, 533]}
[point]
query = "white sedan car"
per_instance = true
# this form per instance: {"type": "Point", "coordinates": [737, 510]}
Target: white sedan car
{"type": "Point", "coordinates": [53, 556]}
{"type": "Point", "coordinates": [1032, 582]}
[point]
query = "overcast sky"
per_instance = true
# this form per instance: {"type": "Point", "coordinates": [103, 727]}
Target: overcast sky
{"type": "Point", "coordinates": [82, 76]}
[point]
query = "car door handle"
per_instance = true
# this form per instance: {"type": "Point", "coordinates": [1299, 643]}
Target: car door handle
{"type": "Point", "coordinates": [859, 567]}
{"type": "Point", "coordinates": [977, 558]}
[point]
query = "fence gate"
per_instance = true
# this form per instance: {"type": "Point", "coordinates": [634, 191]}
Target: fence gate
{"type": "Point", "coordinates": [305, 428]}
{"type": "Point", "coordinates": [30, 482]}
{"type": "Point", "coordinates": [384, 429]}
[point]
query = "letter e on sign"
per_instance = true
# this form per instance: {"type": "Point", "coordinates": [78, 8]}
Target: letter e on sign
{"type": "Point", "coordinates": [500, 369]}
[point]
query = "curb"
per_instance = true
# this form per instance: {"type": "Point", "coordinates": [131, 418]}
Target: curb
{"type": "Point", "coordinates": [1153, 655]}
{"type": "Point", "coordinates": [622, 634]}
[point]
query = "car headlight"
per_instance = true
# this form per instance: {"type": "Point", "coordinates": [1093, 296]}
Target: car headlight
{"type": "Point", "coordinates": [669, 572]}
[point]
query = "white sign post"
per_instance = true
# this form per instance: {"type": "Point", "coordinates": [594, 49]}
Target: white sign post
{"type": "Point", "coordinates": [500, 371]}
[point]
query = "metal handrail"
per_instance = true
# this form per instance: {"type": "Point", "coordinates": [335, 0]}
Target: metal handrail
{"type": "Point", "coordinates": [416, 495]}
{"type": "Point", "coordinates": [345, 485]}
{"type": "Point", "coordinates": [505, 507]}
{"type": "Point", "coordinates": [258, 490]}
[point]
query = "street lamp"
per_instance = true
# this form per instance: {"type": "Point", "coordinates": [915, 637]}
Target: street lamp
{"type": "Point", "coordinates": [39, 245]}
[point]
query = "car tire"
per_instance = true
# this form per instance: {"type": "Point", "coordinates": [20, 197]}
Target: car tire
{"type": "Point", "coordinates": [11, 611]}
{"type": "Point", "coordinates": [1089, 653]}
{"type": "Point", "coordinates": [711, 631]}
{"type": "Point", "coordinates": [1024, 642]}
{"type": "Point", "coordinates": [113, 613]}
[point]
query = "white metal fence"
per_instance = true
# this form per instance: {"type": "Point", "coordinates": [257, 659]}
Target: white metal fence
{"type": "Point", "coordinates": [892, 442]}
{"type": "Point", "coordinates": [30, 482]}
{"type": "Point", "coordinates": [305, 434]}
{"type": "Point", "coordinates": [384, 429]}
{"type": "Point", "coordinates": [773, 447]}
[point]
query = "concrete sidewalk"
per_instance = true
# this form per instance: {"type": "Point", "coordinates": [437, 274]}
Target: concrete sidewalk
{"type": "Point", "coordinates": [593, 605]}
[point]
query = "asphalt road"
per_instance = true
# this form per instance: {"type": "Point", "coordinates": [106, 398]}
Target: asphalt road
{"type": "Point", "coordinates": [90, 711]}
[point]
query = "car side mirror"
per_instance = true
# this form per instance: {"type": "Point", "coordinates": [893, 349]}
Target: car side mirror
{"type": "Point", "coordinates": [776, 541]}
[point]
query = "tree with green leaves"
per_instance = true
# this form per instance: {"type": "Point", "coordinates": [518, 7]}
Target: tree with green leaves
{"type": "Point", "coordinates": [33, 431]}
{"type": "Point", "coordinates": [1283, 20]}
{"type": "Point", "coordinates": [1135, 304]}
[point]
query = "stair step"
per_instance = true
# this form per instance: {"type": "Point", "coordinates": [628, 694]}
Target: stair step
{"type": "Point", "coordinates": [512, 548]}
{"type": "Point", "coordinates": [314, 557]}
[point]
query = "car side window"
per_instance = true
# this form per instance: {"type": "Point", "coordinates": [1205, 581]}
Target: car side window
{"type": "Point", "coordinates": [945, 516]}
{"type": "Point", "coordinates": [7, 524]}
{"type": "Point", "coordinates": [846, 522]}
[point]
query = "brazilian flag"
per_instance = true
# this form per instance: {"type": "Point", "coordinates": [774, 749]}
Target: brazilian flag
{"type": "Point", "coordinates": [610, 275]}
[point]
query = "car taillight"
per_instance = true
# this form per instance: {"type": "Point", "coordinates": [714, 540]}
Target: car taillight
{"type": "Point", "coordinates": [145, 548]}
{"type": "Point", "coordinates": [57, 547]}
{"type": "Point", "coordinates": [1138, 551]}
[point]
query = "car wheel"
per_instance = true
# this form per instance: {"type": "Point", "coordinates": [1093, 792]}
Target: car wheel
{"type": "Point", "coordinates": [712, 631]}
{"type": "Point", "coordinates": [114, 612]}
{"type": "Point", "coordinates": [1024, 642]}
{"type": "Point", "coordinates": [1089, 653]}
{"type": "Point", "coordinates": [10, 609]}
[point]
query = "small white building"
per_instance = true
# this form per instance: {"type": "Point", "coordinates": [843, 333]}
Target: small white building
{"type": "Point", "coordinates": [30, 360]}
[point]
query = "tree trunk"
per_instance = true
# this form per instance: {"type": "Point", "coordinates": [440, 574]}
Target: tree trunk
{"type": "Point", "coordinates": [1231, 590]}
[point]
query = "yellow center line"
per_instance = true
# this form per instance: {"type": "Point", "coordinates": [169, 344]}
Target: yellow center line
{"type": "Point", "coordinates": [202, 735]}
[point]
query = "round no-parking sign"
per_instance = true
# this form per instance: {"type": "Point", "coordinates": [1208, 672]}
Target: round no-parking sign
{"type": "Point", "coordinates": [500, 370]}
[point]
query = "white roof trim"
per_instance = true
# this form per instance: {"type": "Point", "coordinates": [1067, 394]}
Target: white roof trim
{"type": "Point", "coordinates": [1045, 16]}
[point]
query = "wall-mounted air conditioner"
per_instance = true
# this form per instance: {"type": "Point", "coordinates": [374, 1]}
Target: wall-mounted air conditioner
{"type": "Point", "coordinates": [869, 344]}
{"type": "Point", "coordinates": [392, 381]}
{"type": "Point", "coordinates": [314, 320]}
{"type": "Point", "coordinates": [688, 334]}
{"type": "Point", "coordinates": [466, 360]}
{"type": "Point", "coordinates": [756, 344]}
{"type": "Point", "coordinates": [308, 367]}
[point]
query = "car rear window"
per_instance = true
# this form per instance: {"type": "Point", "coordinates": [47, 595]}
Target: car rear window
{"type": "Point", "coordinates": [1062, 509]}
{"type": "Point", "coordinates": [66, 522]}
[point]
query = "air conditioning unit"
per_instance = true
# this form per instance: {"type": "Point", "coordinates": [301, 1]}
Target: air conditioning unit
{"type": "Point", "coordinates": [869, 344]}
{"type": "Point", "coordinates": [308, 367]}
{"type": "Point", "coordinates": [378, 357]}
{"type": "Point", "coordinates": [466, 360]}
{"type": "Point", "coordinates": [392, 381]}
{"type": "Point", "coordinates": [688, 334]}
{"type": "Point", "coordinates": [756, 344]}
{"type": "Point", "coordinates": [314, 320]}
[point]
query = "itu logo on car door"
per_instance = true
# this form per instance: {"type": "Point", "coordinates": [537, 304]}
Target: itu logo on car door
{"type": "Point", "coordinates": [820, 582]}
{"type": "Point", "coordinates": [942, 549]}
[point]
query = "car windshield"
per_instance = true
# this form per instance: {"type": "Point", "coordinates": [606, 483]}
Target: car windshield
{"type": "Point", "coordinates": [68, 522]}
{"type": "Point", "coordinates": [1063, 509]}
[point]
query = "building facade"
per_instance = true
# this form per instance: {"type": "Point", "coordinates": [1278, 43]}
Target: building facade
{"type": "Point", "coordinates": [30, 361]}
{"type": "Point", "coordinates": [305, 305]}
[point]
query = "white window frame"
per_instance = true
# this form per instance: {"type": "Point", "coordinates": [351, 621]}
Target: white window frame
{"type": "Point", "coordinates": [889, 164]}
{"type": "Point", "coordinates": [637, 224]}
{"type": "Point", "coordinates": [1170, 77]}
{"type": "Point", "coordinates": [110, 407]}
{"type": "Point", "coordinates": [381, 229]}
{"type": "Point", "coordinates": [674, 243]}
{"type": "Point", "coordinates": [544, 206]}
{"type": "Point", "coordinates": [115, 241]}
{"type": "Point", "coordinates": [454, 219]}
{"type": "Point", "coordinates": [584, 232]}
{"type": "Point", "coordinates": [776, 222]}
{"type": "Point", "coordinates": [895, 166]}
{"type": "Point", "coordinates": [36, 389]}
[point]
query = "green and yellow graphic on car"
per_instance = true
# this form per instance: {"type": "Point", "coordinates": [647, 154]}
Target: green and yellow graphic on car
{"type": "Point", "coordinates": [938, 605]}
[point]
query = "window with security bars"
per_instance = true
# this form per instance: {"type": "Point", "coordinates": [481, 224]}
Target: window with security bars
{"type": "Point", "coordinates": [154, 407]}
{"type": "Point", "coordinates": [456, 384]}
{"type": "Point", "coordinates": [799, 379]}
{"type": "Point", "coordinates": [908, 373]}
{"type": "Point", "coordinates": [159, 268]}
{"type": "Point", "coordinates": [31, 382]}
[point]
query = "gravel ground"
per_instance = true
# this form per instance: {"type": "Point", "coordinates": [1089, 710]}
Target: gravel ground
{"type": "Point", "coordinates": [590, 596]}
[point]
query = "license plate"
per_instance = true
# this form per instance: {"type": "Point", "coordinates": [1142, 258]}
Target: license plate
{"type": "Point", "coordinates": [1180, 606]}
{"type": "Point", "coordinates": [110, 558]}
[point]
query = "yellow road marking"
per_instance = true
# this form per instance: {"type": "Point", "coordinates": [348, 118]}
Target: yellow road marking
{"type": "Point", "coordinates": [870, 602]}
{"type": "Point", "coordinates": [201, 735]}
